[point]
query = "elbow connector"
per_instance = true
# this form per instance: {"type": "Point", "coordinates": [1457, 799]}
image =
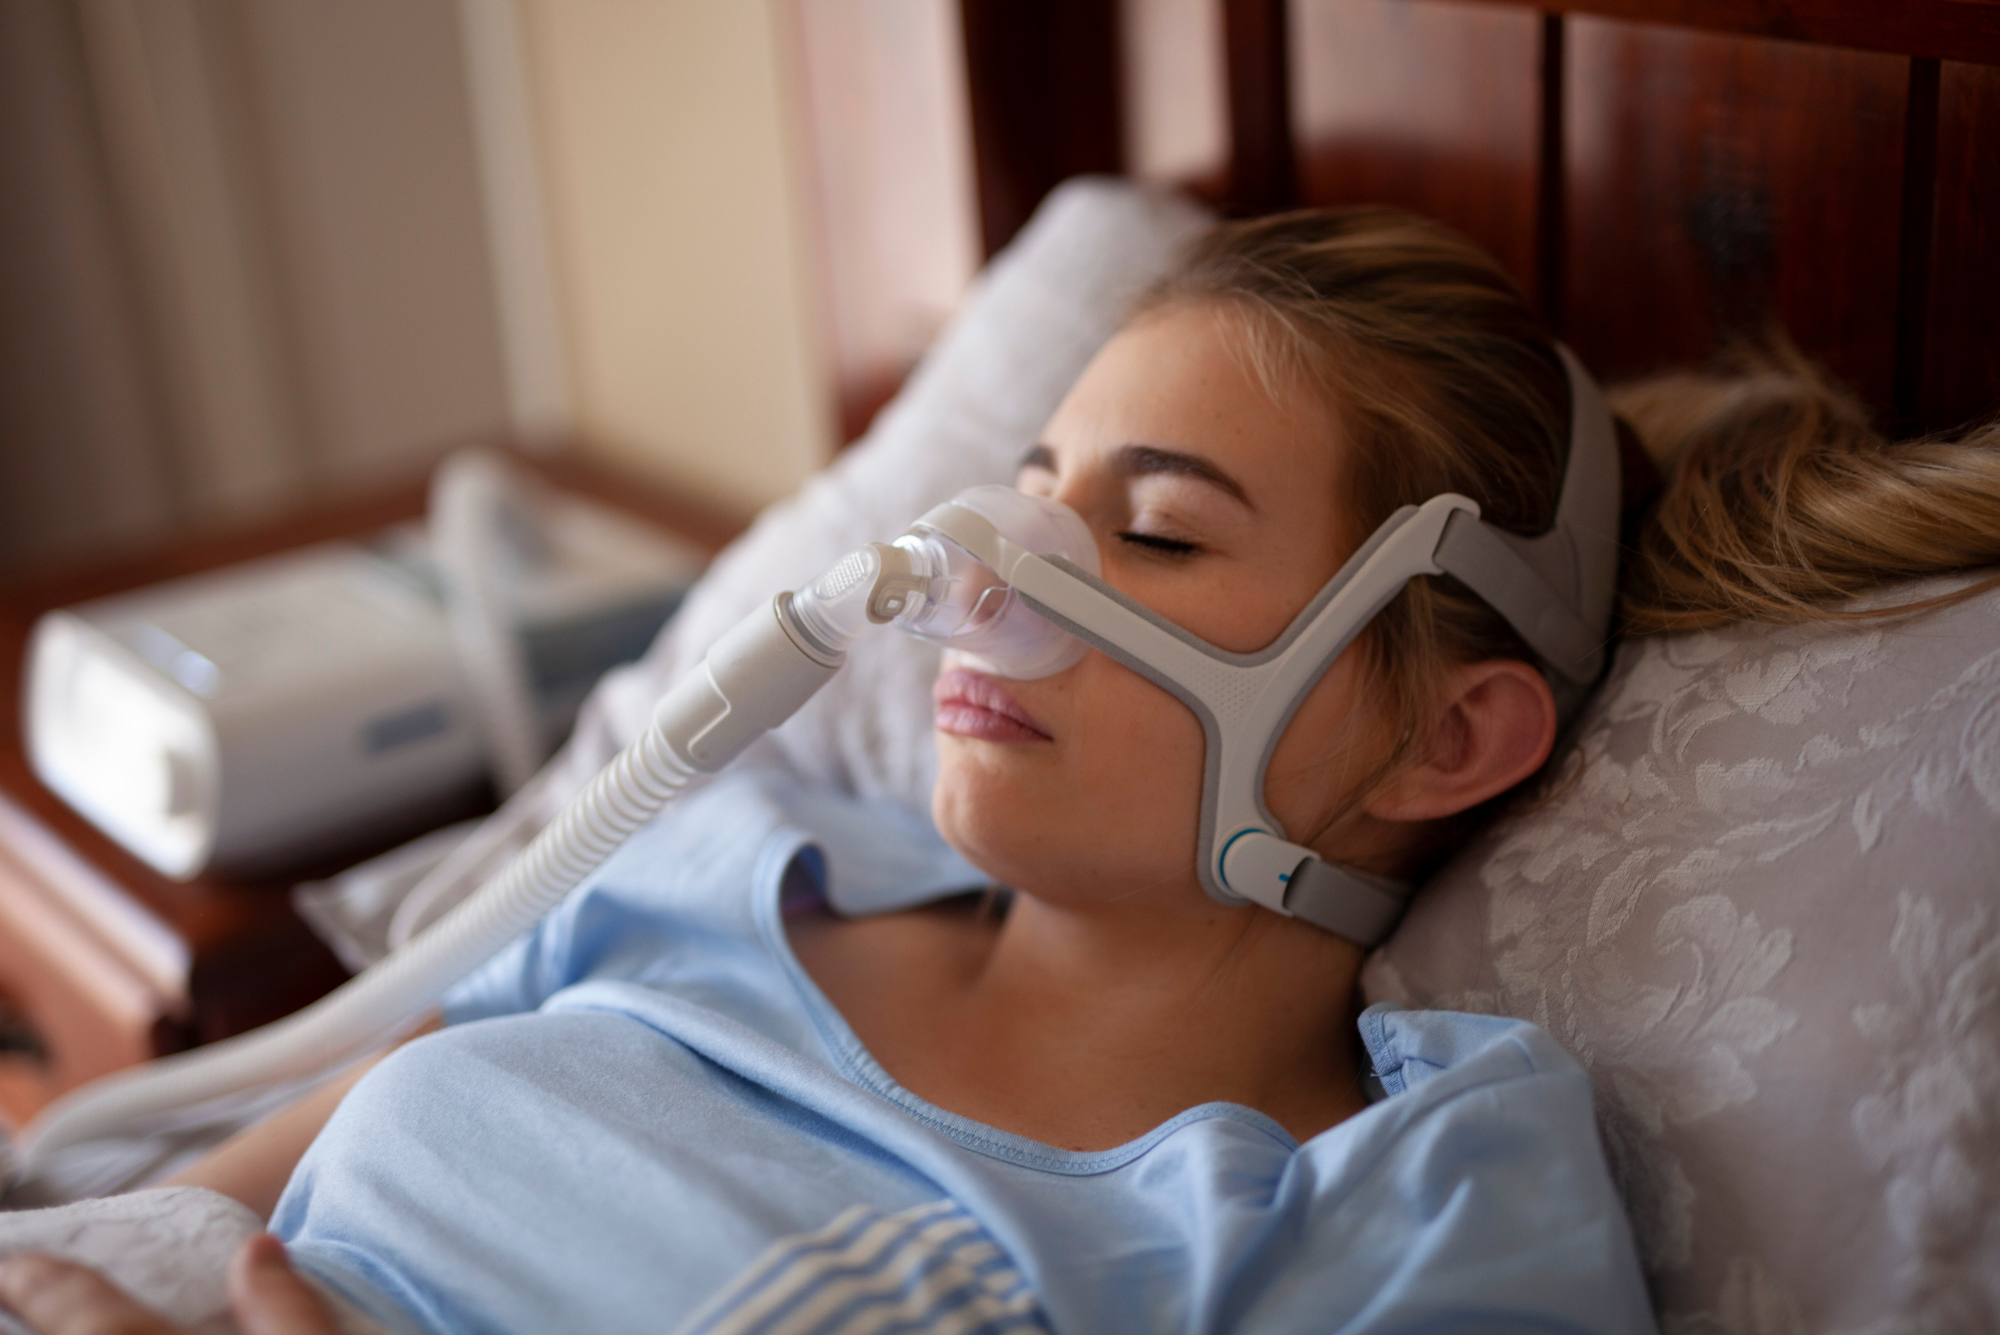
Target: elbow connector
{"type": "Point", "coordinates": [872, 585]}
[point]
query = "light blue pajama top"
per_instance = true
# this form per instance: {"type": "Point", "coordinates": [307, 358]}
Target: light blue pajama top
{"type": "Point", "coordinates": [645, 1117]}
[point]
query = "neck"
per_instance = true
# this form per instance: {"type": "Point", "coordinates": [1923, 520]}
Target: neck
{"type": "Point", "coordinates": [1154, 1010]}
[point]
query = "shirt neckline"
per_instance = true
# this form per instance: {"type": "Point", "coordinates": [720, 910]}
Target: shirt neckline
{"type": "Point", "coordinates": [795, 853]}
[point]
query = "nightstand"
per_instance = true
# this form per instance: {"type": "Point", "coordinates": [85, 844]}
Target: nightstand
{"type": "Point", "coordinates": [104, 962]}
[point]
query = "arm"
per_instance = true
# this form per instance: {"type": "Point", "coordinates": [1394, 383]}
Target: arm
{"type": "Point", "coordinates": [254, 1165]}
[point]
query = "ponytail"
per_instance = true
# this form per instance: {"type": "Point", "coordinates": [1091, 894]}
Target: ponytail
{"type": "Point", "coordinates": [1783, 503]}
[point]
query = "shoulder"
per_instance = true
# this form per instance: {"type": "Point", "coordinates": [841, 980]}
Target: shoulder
{"type": "Point", "coordinates": [1410, 1048]}
{"type": "Point", "coordinates": [1477, 1190]}
{"type": "Point", "coordinates": [1480, 1097]}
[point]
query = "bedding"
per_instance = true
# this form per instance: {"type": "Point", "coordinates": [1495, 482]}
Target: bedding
{"type": "Point", "coordinates": [646, 1106]}
{"type": "Point", "coordinates": [1762, 907]}
{"type": "Point", "coordinates": [169, 1248]}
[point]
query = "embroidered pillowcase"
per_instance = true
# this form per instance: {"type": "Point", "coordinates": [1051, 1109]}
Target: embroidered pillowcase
{"type": "Point", "coordinates": [1762, 906]}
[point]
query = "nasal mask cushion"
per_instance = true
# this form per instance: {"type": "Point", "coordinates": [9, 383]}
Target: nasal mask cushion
{"type": "Point", "coordinates": [1011, 582]}
{"type": "Point", "coordinates": [978, 615]}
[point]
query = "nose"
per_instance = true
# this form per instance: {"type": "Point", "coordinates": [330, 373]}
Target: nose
{"type": "Point", "coordinates": [1076, 489]}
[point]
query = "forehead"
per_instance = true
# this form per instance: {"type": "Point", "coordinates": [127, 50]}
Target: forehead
{"type": "Point", "coordinates": [1182, 378]}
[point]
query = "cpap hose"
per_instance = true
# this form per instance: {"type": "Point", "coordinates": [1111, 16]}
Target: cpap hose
{"type": "Point", "coordinates": [469, 508]}
{"type": "Point", "coordinates": [462, 870]}
{"type": "Point", "coordinates": [755, 677]}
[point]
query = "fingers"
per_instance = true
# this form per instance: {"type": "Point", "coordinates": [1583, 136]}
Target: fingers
{"type": "Point", "coordinates": [268, 1298]}
{"type": "Point", "coordinates": [58, 1298]}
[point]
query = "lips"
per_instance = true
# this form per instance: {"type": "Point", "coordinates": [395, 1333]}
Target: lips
{"type": "Point", "coordinates": [976, 706]}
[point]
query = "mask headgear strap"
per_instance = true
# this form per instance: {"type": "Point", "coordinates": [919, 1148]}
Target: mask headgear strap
{"type": "Point", "coordinates": [1555, 590]}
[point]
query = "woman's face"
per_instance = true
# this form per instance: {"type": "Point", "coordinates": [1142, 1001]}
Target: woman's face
{"type": "Point", "coordinates": [1216, 506]}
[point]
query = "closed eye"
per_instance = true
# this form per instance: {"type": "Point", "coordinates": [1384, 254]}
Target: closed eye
{"type": "Point", "coordinates": [1152, 542]}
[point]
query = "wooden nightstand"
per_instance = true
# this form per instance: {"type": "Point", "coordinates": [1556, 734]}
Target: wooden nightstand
{"type": "Point", "coordinates": [104, 962]}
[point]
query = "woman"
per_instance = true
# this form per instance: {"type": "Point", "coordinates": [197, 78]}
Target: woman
{"type": "Point", "coordinates": [1106, 1101]}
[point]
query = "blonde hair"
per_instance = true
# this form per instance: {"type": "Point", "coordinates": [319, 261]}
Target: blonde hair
{"type": "Point", "coordinates": [1783, 502]}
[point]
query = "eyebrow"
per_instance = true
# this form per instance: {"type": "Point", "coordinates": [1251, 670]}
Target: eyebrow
{"type": "Point", "coordinates": [1148, 460]}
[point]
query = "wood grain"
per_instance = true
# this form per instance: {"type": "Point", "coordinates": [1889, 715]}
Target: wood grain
{"type": "Point", "coordinates": [1717, 184]}
{"type": "Point", "coordinates": [1256, 38]}
{"type": "Point", "coordinates": [88, 1011]}
{"type": "Point", "coordinates": [1043, 83]}
{"type": "Point", "coordinates": [1962, 345]}
{"type": "Point", "coordinates": [1431, 106]}
{"type": "Point", "coordinates": [1942, 29]}
{"type": "Point", "coordinates": [1916, 233]}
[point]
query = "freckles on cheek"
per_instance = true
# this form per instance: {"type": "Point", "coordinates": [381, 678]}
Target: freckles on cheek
{"type": "Point", "coordinates": [1141, 759]}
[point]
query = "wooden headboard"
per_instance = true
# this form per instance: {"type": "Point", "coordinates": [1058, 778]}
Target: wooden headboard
{"type": "Point", "coordinates": [1656, 173]}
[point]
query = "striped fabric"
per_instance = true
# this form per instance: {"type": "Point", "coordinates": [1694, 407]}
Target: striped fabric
{"type": "Point", "coordinates": [927, 1270]}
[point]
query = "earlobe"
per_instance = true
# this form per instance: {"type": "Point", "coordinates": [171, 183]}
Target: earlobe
{"type": "Point", "coordinates": [1496, 729]}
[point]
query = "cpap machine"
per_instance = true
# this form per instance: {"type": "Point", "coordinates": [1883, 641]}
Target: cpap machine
{"type": "Point", "coordinates": [264, 714]}
{"type": "Point", "coordinates": [1010, 583]}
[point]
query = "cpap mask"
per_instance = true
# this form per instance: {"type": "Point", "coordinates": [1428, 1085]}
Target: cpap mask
{"type": "Point", "coordinates": [1011, 583]}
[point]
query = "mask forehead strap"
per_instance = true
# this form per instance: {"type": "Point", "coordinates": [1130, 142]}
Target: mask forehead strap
{"type": "Point", "coordinates": [1557, 590]}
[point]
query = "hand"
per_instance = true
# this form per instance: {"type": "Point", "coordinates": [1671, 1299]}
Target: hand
{"type": "Point", "coordinates": [265, 1296]}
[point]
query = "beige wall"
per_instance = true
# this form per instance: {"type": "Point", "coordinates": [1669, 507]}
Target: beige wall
{"type": "Point", "coordinates": [675, 226]}
{"type": "Point", "coordinates": [1176, 114]}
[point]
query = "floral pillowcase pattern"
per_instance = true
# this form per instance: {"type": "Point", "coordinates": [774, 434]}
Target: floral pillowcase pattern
{"type": "Point", "coordinates": [1760, 901]}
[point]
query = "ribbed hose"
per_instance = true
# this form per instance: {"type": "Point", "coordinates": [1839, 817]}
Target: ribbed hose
{"type": "Point", "coordinates": [373, 1006]}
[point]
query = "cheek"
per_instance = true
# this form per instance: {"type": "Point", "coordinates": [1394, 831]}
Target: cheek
{"type": "Point", "coordinates": [1117, 793]}
{"type": "Point", "coordinates": [1141, 760]}
{"type": "Point", "coordinates": [1330, 748]}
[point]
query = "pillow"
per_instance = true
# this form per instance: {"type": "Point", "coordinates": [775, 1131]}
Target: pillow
{"type": "Point", "coordinates": [1762, 907]}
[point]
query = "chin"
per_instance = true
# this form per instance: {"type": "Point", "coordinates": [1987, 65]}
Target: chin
{"type": "Point", "coordinates": [985, 812]}
{"type": "Point", "coordinates": [1032, 827]}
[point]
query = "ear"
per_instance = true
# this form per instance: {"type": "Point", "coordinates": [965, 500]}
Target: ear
{"type": "Point", "coordinates": [1498, 726]}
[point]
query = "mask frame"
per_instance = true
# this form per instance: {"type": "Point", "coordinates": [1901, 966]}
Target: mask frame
{"type": "Point", "coordinates": [1556, 590]}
